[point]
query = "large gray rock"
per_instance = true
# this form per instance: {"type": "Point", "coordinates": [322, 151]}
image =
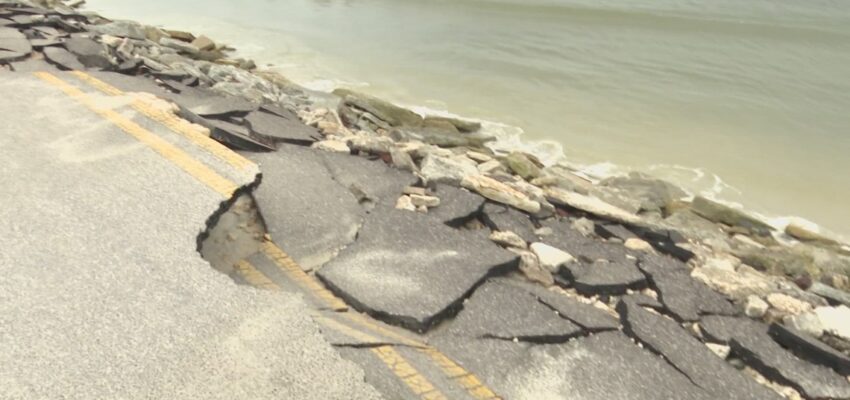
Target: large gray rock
{"type": "Point", "coordinates": [450, 170]}
{"type": "Point", "coordinates": [684, 297]}
{"type": "Point", "coordinates": [410, 270]}
{"type": "Point", "coordinates": [751, 342]}
{"type": "Point", "coordinates": [653, 195]}
{"type": "Point", "coordinates": [689, 355]}
{"type": "Point", "coordinates": [386, 111]}
{"type": "Point", "coordinates": [442, 138]}
{"type": "Point", "coordinates": [501, 310]}
{"type": "Point", "coordinates": [717, 212]}
{"type": "Point", "coordinates": [603, 366]}
{"type": "Point", "coordinates": [307, 213]}
{"type": "Point", "coordinates": [127, 29]}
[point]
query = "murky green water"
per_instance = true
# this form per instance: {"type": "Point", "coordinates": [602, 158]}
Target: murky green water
{"type": "Point", "coordinates": [747, 100]}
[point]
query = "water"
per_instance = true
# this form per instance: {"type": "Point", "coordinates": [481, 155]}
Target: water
{"type": "Point", "coordinates": [746, 100]}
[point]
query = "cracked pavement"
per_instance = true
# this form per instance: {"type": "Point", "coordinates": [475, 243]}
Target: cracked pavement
{"type": "Point", "coordinates": [366, 300]}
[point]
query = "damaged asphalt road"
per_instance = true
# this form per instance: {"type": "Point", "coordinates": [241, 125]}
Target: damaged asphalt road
{"type": "Point", "coordinates": [383, 277]}
{"type": "Point", "coordinates": [103, 292]}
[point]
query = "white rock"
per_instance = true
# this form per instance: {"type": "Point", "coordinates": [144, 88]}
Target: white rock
{"type": "Point", "coordinates": [808, 323]}
{"type": "Point", "coordinates": [787, 304]}
{"type": "Point", "coordinates": [449, 170]}
{"type": "Point", "coordinates": [637, 244]}
{"type": "Point", "coordinates": [722, 263]}
{"type": "Point", "coordinates": [835, 320]}
{"type": "Point", "coordinates": [755, 307]}
{"type": "Point", "coordinates": [530, 266]}
{"type": "Point", "coordinates": [585, 226]}
{"type": "Point", "coordinates": [748, 241]}
{"type": "Point", "coordinates": [334, 146]}
{"type": "Point", "coordinates": [544, 231]}
{"type": "Point", "coordinates": [509, 239]}
{"type": "Point", "coordinates": [480, 157]}
{"type": "Point", "coordinates": [591, 205]}
{"type": "Point", "coordinates": [424, 200]}
{"type": "Point", "coordinates": [499, 192]}
{"type": "Point", "coordinates": [719, 349]}
{"type": "Point", "coordinates": [422, 209]}
{"type": "Point", "coordinates": [371, 144]}
{"type": "Point", "coordinates": [489, 166]}
{"type": "Point", "coordinates": [405, 203]}
{"type": "Point", "coordinates": [551, 258]}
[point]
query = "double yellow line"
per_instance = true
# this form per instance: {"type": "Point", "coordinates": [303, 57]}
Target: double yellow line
{"type": "Point", "coordinates": [402, 368]}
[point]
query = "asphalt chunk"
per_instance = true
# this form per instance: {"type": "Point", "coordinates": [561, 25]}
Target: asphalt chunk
{"type": "Point", "coordinates": [306, 212]}
{"type": "Point", "coordinates": [374, 181]}
{"type": "Point", "coordinates": [456, 204]}
{"type": "Point", "coordinates": [407, 269]}
{"type": "Point", "coordinates": [604, 277]}
{"type": "Point", "coordinates": [285, 128]}
{"type": "Point", "coordinates": [688, 355]}
{"type": "Point", "coordinates": [751, 342]}
{"type": "Point", "coordinates": [684, 297]}
{"type": "Point", "coordinates": [499, 310]}
{"type": "Point", "coordinates": [810, 349]}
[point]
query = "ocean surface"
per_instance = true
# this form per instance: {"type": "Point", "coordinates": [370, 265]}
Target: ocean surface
{"type": "Point", "coordinates": [744, 100]}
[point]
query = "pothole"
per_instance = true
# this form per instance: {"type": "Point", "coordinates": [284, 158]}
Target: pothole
{"type": "Point", "coordinates": [236, 235]}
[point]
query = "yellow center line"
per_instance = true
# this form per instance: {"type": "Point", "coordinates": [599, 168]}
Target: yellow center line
{"type": "Point", "coordinates": [225, 187]}
{"type": "Point", "coordinates": [195, 133]}
{"type": "Point", "coordinates": [254, 277]}
{"type": "Point", "coordinates": [417, 383]}
{"type": "Point", "coordinates": [291, 269]}
{"type": "Point", "coordinates": [450, 369]}
{"type": "Point", "coordinates": [186, 162]}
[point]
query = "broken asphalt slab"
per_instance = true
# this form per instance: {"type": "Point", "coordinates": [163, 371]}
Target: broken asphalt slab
{"type": "Point", "coordinates": [810, 349]}
{"type": "Point", "coordinates": [500, 310]}
{"type": "Point", "coordinates": [604, 277]}
{"type": "Point", "coordinates": [684, 297]}
{"type": "Point", "coordinates": [502, 218]}
{"type": "Point", "coordinates": [456, 204]}
{"type": "Point", "coordinates": [603, 366]}
{"type": "Point", "coordinates": [307, 213]}
{"type": "Point", "coordinates": [282, 126]}
{"type": "Point", "coordinates": [370, 180]}
{"type": "Point", "coordinates": [409, 270]}
{"type": "Point", "coordinates": [751, 342]}
{"type": "Point", "coordinates": [688, 355]}
{"type": "Point", "coordinates": [13, 45]}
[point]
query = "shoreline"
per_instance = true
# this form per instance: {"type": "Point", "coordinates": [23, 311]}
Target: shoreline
{"type": "Point", "coordinates": [623, 192]}
{"type": "Point", "coordinates": [696, 180]}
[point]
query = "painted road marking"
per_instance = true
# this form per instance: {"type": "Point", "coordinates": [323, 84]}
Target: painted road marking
{"type": "Point", "coordinates": [195, 133]}
{"type": "Point", "coordinates": [254, 277]}
{"type": "Point", "coordinates": [226, 188]}
{"type": "Point", "coordinates": [193, 167]}
{"type": "Point", "coordinates": [414, 380]}
{"type": "Point", "coordinates": [451, 369]}
{"type": "Point", "coordinates": [294, 272]}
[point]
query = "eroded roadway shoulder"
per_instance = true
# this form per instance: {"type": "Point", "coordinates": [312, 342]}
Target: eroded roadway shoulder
{"type": "Point", "coordinates": [103, 294]}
